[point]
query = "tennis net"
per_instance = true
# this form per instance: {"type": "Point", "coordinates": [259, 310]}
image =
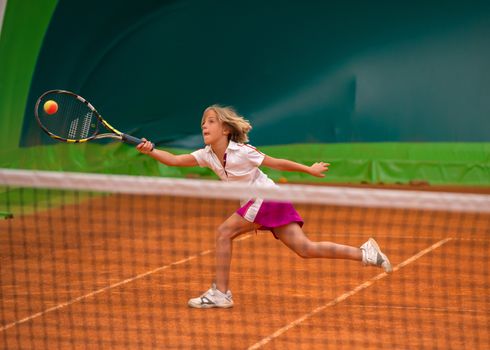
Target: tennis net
{"type": "Point", "coordinates": [103, 261]}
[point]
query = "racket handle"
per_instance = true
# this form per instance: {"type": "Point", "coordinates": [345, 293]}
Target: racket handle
{"type": "Point", "coordinates": [133, 140]}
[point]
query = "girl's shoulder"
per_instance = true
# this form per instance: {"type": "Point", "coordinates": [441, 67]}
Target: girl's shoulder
{"type": "Point", "coordinates": [249, 148]}
{"type": "Point", "coordinates": [250, 154]}
{"type": "Point", "coordinates": [241, 146]}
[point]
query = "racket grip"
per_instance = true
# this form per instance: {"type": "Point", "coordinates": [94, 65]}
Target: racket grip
{"type": "Point", "coordinates": [133, 140]}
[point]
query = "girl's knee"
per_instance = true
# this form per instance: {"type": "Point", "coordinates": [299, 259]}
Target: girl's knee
{"type": "Point", "coordinates": [224, 232]}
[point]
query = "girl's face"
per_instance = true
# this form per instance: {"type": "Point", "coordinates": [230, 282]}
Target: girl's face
{"type": "Point", "coordinates": [213, 129]}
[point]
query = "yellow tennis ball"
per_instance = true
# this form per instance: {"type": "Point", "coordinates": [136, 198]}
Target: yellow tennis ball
{"type": "Point", "coordinates": [50, 107]}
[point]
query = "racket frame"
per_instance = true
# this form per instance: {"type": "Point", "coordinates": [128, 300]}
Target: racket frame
{"type": "Point", "coordinates": [114, 133]}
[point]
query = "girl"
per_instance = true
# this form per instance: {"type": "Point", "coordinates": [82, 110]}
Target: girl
{"type": "Point", "coordinates": [225, 134]}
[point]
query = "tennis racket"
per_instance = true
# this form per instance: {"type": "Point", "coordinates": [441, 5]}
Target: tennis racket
{"type": "Point", "coordinates": [68, 117]}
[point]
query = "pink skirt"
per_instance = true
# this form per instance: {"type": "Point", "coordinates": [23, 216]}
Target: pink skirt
{"type": "Point", "coordinates": [270, 214]}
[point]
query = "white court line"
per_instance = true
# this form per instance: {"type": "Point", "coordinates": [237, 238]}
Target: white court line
{"type": "Point", "coordinates": [346, 295]}
{"type": "Point", "coordinates": [120, 283]}
{"type": "Point", "coordinates": [420, 308]}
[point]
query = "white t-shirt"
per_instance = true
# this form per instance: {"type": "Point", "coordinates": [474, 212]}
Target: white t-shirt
{"type": "Point", "coordinates": [242, 163]}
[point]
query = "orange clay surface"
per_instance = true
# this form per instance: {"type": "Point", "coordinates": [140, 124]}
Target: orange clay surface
{"type": "Point", "coordinates": [116, 272]}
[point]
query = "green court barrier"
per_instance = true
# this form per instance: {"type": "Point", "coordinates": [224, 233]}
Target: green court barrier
{"type": "Point", "coordinates": [435, 163]}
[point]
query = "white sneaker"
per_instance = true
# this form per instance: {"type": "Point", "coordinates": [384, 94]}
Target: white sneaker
{"type": "Point", "coordinates": [372, 255]}
{"type": "Point", "coordinates": [212, 298]}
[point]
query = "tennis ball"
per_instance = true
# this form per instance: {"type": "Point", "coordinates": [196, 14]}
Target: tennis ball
{"type": "Point", "coordinates": [50, 107]}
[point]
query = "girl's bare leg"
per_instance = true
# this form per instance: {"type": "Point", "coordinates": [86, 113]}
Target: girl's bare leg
{"type": "Point", "coordinates": [234, 226]}
{"type": "Point", "coordinates": [293, 237]}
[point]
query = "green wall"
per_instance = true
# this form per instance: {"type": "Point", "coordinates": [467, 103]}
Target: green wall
{"type": "Point", "coordinates": [312, 71]}
{"type": "Point", "coordinates": [388, 92]}
{"type": "Point", "coordinates": [24, 26]}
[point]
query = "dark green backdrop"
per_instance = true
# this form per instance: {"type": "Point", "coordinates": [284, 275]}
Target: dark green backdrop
{"type": "Point", "coordinates": [309, 71]}
{"type": "Point", "coordinates": [385, 91]}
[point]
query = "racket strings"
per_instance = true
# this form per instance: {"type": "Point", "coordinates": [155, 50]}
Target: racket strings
{"type": "Point", "coordinates": [74, 120]}
{"type": "Point", "coordinates": [87, 121]}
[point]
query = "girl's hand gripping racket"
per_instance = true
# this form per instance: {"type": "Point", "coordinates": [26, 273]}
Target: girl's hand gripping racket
{"type": "Point", "coordinates": [68, 117]}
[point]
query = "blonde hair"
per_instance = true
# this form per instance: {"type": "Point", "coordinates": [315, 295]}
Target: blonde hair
{"type": "Point", "coordinates": [239, 126]}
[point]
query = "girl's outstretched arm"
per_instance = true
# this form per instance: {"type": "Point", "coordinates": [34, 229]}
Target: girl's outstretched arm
{"type": "Point", "coordinates": [165, 157]}
{"type": "Point", "coordinates": [317, 169]}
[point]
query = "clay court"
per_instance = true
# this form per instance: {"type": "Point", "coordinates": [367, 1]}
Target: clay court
{"type": "Point", "coordinates": [117, 271]}
{"type": "Point", "coordinates": [104, 239]}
